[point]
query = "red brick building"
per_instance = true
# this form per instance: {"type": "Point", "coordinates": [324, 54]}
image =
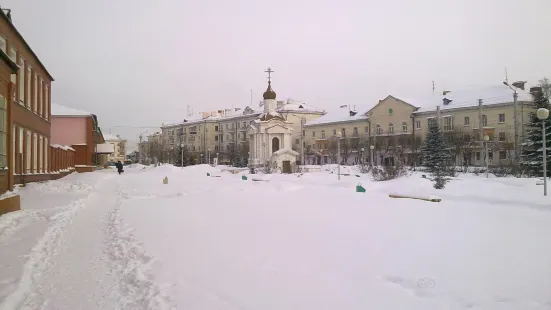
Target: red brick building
{"type": "Point", "coordinates": [25, 100]}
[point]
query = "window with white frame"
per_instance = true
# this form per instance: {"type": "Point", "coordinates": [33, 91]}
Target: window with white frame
{"type": "Point", "coordinates": [3, 44]}
{"type": "Point", "coordinates": [28, 87]}
{"type": "Point", "coordinates": [484, 121]}
{"type": "Point", "coordinates": [390, 128]}
{"type": "Point", "coordinates": [13, 138]}
{"type": "Point", "coordinates": [502, 118]}
{"type": "Point", "coordinates": [21, 74]}
{"type": "Point", "coordinates": [3, 133]}
{"type": "Point", "coordinates": [13, 54]}
{"type": "Point", "coordinates": [417, 124]}
{"type": "Point", "coordinates": [41, 97]}
{"type": "Point", "coordinates": [35, 92]}
{"type": "Point", "coordinates": [28, 152]}
{"type": "Point", "coordinates": [35, 153]}
{"type": "Point", "coordinates": [41, 155]}
{"type": "Point", "coordinates": [323, 134]}
{"type": "Point", "coordinates": [46, 160]}
{"type": "Point", "coordinates": [378, 129]}
{"type": "Point", "coordinates": [431, 121]}
{"type": "Point", "coordinates": [448, 123]}
{"type": "Point", "coordinates": [404, 127]}
{"type": "Point", "coordinates": [47, 103]}
{"type": "Point", "coordinates": [467, 121]}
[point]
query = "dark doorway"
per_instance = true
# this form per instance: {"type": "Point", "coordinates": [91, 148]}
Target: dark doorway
{"type": "Point", "coordinates": [275, 144]}
{"type": "Point", "coordinates": [286, 166]}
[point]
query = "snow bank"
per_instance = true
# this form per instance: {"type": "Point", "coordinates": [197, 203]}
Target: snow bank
{"type": "Point", "coordinates": [313, 243]}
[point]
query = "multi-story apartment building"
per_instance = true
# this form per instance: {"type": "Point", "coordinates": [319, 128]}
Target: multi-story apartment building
{"type": "Point", "coordinates": [394, 129]}
{"type": "Point", "coordinates": [223, 133]}
{"type": "Point", "coordinates": [25, 109]}
{"type": "Point", "coordinates": [119, 149]}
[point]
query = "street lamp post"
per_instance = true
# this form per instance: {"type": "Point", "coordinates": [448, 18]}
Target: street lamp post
{"type": "Point", "coordinates": [516, 85]}
{"type": "Point", "coordinates": [339, 135]}
{"type": "Point", "coordinates": [208, 156]}
{"type": "Point", "coordinates": [362, 156]}
{"type": "Point", "coordinates": [372, 148]}
{"type": "Point", "coordinates": [486, 139]}
{"type": "Point", "coordinates": [182, 158]}
{"type": "Point", "coordinates": [543, 114]}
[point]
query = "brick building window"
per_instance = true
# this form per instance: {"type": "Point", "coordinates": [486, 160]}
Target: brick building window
{"type": "Point", "coordinates": [21, 74]}
{"type": "Point", "coordinates": [46, 160]}
{"type": "Point", "coordinates": [3, 133]}
{"type": "Point", "coordinates": [28, 78]}
{"type": "Point", "coordinates": [47, 101]}
{"type": "Point", "coordinates": [28, 152]}
{"type": "Point", "coordinates": [40, 98]}
{"type": "Point", "coordinates": [35, 152]}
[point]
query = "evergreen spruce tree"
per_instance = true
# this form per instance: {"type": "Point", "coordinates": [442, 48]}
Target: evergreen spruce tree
{"type": "Point", "coordinates": [434, 152]}
{"type": "Point", "coordinates": [181, 161]}
{"type": "Point", "coordinates": [532, 155]}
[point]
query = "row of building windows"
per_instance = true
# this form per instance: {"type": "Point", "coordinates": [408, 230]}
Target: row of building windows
{"type": "Point", "coordinates": [32, 152]}
{"type": "Point", "coordinates": [32, 90]}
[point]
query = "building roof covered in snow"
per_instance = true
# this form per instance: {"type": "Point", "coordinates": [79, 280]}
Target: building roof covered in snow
{"type": "Point", "coordinates": [111, 137]}
{"type": "Point", "coordinates": [60, 110]}
{"type": "Point", "coordinates": [287, 106]}
{"type": "Point", "coordinates": [468, 97]}
{"type": "Point", "coordinates": [339, 115]}
{"type": "Point", "coordinates": [292, 105]}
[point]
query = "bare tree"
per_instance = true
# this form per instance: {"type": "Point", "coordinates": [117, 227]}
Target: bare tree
{"type": "Point", "coordinates": [545, 85]}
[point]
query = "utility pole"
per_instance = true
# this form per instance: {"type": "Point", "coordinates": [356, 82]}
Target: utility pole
{"type": "Point", "coordinates": [515, 98]}
{"type": "Point", "coordinates": [480, 123]}
{"type": "Point", "coordinates": [140, 147]}
{"type": "Point", "coordinates": [302, 121]}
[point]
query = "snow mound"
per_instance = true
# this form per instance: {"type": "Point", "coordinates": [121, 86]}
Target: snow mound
{"type": "Point", "coordinates": [60, 187]}
{"type": "Point", "coordinates": [137, 166]}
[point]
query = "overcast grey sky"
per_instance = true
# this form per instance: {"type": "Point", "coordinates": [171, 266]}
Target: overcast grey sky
{"type": "Point", "coordinates": [138, 63]}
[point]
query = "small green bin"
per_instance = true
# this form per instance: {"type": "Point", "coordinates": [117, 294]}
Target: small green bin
{"type": "Point", "coordinates": [360, 188]}
{"type": "Point", "coordinates": [244, 177]}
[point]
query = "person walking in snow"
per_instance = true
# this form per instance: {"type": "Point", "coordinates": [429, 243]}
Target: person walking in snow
{"type": "Point", "coordinates": [119, 167]}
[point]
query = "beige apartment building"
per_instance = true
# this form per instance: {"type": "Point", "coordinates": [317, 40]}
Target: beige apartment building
{"type": "Point", "coordinates": [222, 134]}
{"type": "Point", "coordinates": [119, 153]}
{"type": "Point", "coordinates": [394, 128]}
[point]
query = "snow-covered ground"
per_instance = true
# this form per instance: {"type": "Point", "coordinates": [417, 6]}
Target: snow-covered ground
{"type": "Point", "coordinates": [104, 241]}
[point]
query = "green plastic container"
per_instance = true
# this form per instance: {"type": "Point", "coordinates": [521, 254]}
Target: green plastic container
{"type": "Point", "coordinates": [244, 177]}
{"type": "Point", "coordinates": [360, 188]}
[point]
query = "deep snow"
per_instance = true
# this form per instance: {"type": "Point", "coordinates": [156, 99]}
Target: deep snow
{"type": "Point", "coordinates": [104, 241]}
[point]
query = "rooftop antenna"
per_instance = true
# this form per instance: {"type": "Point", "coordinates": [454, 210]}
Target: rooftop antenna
{"type": "Point", "coordinates": [251, 98]}
{"type": "Point", "coordinates": [433, 87]}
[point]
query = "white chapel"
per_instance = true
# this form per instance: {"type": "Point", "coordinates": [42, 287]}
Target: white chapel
{"type": "Point", "coordinates": [270, 136]}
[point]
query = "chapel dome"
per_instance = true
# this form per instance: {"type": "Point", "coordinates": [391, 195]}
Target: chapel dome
{"type": "Point", "coordinates": [269, 93]}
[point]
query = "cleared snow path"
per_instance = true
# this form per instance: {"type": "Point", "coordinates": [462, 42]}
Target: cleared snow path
{"type": "Point", "coordinates": [86, 260]}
